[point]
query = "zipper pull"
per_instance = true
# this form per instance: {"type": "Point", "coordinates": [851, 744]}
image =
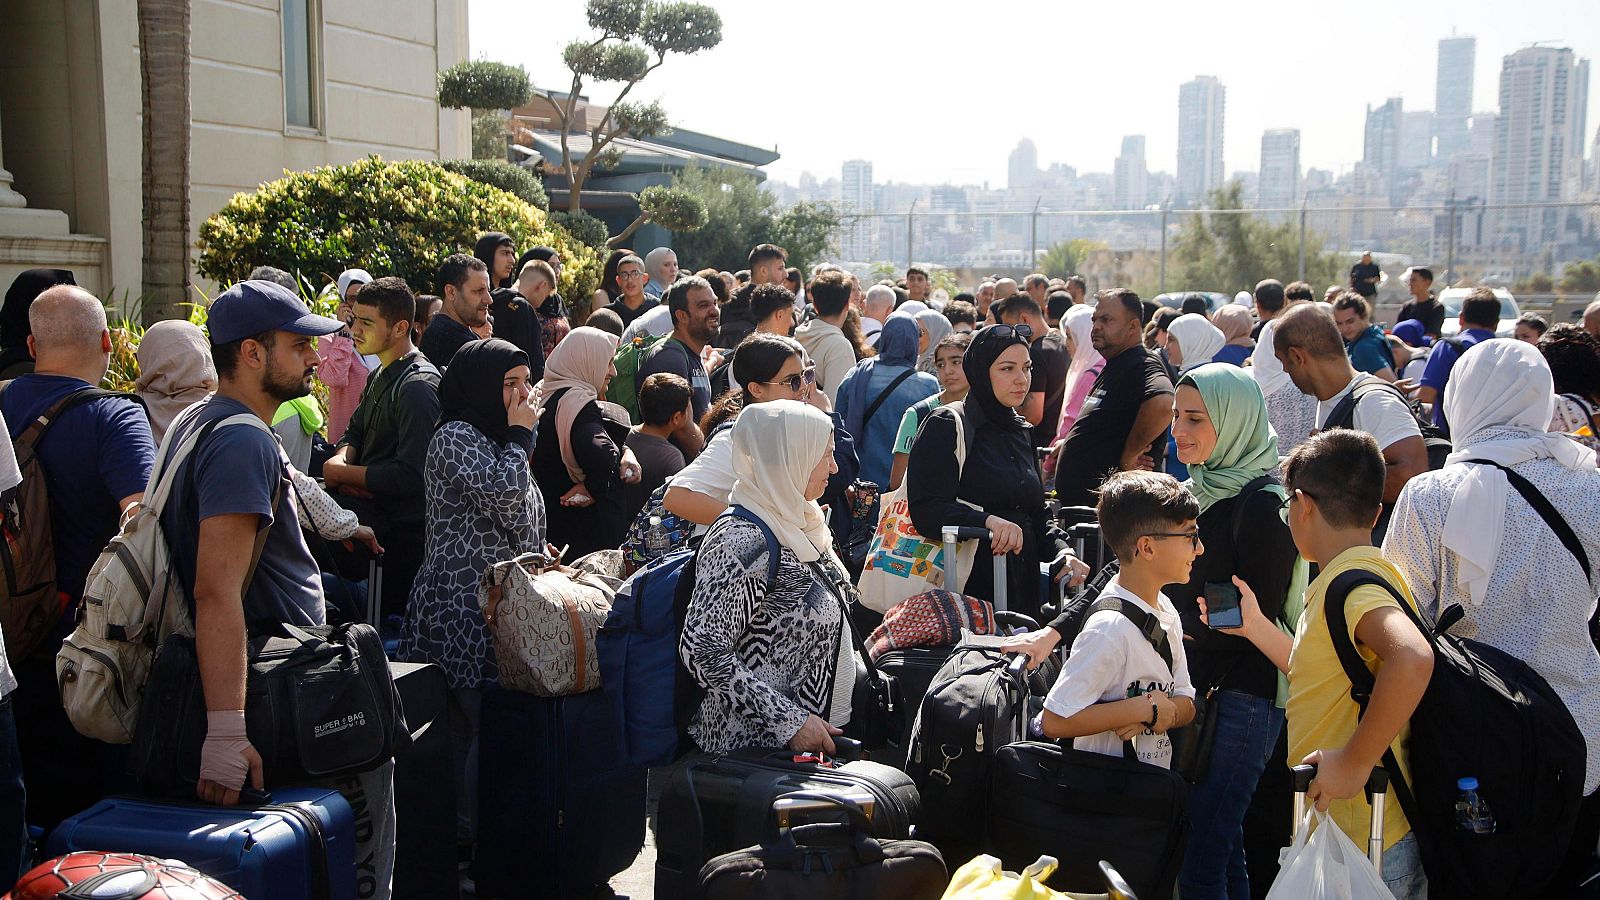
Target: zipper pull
{"type": "Point", "coordinates": [978, 744]}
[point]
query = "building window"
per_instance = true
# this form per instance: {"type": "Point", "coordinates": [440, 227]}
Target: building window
{"type": "Point", "coordinates": [301, 72]}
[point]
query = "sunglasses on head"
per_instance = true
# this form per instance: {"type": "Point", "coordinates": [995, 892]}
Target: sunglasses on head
{"type": "Point", "coordinates": [1022, 331]}
{"type": "Point", "coordinates": [793, 382]}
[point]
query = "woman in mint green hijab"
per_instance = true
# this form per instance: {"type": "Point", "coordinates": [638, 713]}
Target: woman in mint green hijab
{"type": "Point", "coordinates": [1222, 434]}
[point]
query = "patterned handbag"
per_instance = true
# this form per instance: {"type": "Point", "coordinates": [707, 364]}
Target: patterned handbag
{"type": "Point", "coordinates": [543, 619]}
{"type": "Point", "coordinates": [930, 619]}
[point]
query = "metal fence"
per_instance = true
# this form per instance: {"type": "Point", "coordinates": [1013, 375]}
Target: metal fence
{"type": "Point", "coordinates": [1463, 242]}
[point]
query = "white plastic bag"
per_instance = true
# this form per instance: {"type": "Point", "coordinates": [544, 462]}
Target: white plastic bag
{"type": "Point", "coordinates": [1323, 864]}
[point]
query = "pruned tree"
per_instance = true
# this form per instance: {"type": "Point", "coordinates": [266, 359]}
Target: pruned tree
{"type": "Point", "coordinates": [635, 38]}
{"type": "Point", "coordinates": [486, 88]}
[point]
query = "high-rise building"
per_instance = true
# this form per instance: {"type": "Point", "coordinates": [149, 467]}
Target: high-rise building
{"type": "Point", "coordinates": [1452, 94]}
{"type": "Point", "coordinates": [1022, 170]}
{"type": "Point", "coordinates": [856, 196]}
{"type": "Point", "coordinates": [1416, 139]}
{"type": "Point", "coordinates": [1130, 178]}
{"type": "Point", "coordinates": [1201, 105]}
{"type": "Point", "coordinates": [1538, 141]}
{"type": "Point", "coordinates": [1381, 149]}
{"type": "Point", "coordinates": [1280, 169]}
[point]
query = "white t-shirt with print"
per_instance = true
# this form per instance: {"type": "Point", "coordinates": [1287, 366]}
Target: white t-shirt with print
{"type": "Point", "coordinates": [1380, 414]}
{"type": "Point", "coordinates": [1110, 661]}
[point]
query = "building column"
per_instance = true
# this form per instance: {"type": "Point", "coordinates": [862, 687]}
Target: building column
{"type": "Point", "coordinates": [8, 196]}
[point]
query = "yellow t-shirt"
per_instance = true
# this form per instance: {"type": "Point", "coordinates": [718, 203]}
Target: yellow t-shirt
{"type": "Point", "coordinates": [1320, 713]}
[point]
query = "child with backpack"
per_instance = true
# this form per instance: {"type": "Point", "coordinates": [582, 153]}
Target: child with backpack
{"type": "Point", "coordinates": [1127, 678]}
{"type": "Point", "coordinates": [1335, 493]}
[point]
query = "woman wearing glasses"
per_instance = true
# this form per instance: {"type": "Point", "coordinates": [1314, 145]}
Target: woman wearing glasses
{"type": "Point", "coordinates": [998, 488]}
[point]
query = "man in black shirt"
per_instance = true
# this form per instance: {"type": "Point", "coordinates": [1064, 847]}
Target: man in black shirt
{"type": "Point", "coordinates": [634, 302]}
{"type": "Point", "coordinates": [1364, 276]}
{"type": "Point", "coordinates": [1423, 307]}
{"type": "Point", "coordinates": [1124, 421]}
{"type": "Point", "coordinates": [515, 312]}
{"type": "Point", "coordinates": [1048, 352]}
{"type": "Point", "coordinates": [464, 285]}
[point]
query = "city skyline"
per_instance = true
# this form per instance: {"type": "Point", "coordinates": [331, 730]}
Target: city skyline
{"type": "Point", "coordinates": [1106, 78]}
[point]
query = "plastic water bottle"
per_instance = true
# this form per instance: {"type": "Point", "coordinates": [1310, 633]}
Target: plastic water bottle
{"type": "Point", "coordinates": [656, 538]}
{"type": "Point", "coordinates": [1472, 813]}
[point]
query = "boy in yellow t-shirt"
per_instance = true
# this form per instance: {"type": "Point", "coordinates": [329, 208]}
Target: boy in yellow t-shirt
{"type": "Point", "coordinates": [1335, 492]}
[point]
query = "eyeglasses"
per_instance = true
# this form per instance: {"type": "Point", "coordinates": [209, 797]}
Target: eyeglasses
{"type": "Point", "coordinates": [630, 274]}
{"type": "Point", "coordinates": [1005, 331]}
{"type": "Point", "coordinates": [793, 382]}
{"type": "Point", "coordinates": [1193, 536]}
{"type": "Point", "coordinates": [1283, 508]}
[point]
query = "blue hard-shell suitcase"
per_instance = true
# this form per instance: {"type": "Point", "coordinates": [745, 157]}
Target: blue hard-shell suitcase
{"type": "Point", "coordinates": [560, 809]}
{"type": "Point", "coordinates": [300, 845]}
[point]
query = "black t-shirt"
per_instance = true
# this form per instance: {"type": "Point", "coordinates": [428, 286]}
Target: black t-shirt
{"type": "Point", "coordinates": [1430, 314]}
{"type": "Point", "coordinates": [1094, 446]}
{"type": "Point", "coordinates": [443, 338]}
{"type": "Point", "coordinates": [1359, 273]}
{"type": "Point", "coordinates": [515, 320]}
{"type": "Point", "coordinates": [627, 315]}
{"type": "Point", "coordinates": [1049, 378]}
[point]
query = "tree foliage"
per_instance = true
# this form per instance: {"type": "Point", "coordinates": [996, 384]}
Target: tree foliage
{"type": "Point", "coordinates": [498, 173]}
{"type": "Point", "coordinates": [809, 231]}
{"type": "Point", "coordinates": [1582, 277]}
{"type": "Point", "coordinates": [484, 84]}
{"type": "Point", "coordinates": [488, 134]}
{"type": "Point", "coordinates": [391, 218]}
{"type": "Point", "coordinates": [1230, 252]}
{"type": "Point", "coordinates": [741, 214]}
{"type": "Point", "coordinates": [584, 228]}
{"type": "Point", "coordinates": [1066, 258]}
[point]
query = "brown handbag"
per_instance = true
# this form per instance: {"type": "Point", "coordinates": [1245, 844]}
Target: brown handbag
{"type": "Point", "coordinates": [543, 617]}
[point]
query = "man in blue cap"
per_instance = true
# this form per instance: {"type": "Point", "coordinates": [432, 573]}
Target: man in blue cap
{"type": "Point", "coordinates": [232, 493]}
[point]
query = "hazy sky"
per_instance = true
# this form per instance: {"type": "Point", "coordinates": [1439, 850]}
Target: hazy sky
{"type": "Point", "coordinates": [936, 92]}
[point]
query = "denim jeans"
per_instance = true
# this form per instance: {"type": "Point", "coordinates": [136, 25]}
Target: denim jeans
{"type": "Point", "coordinates": [1247, 729]}
{"type": "Point", "coordinates": [1402, 869]}
{"type": "Point", "coordinates": [13, 830]}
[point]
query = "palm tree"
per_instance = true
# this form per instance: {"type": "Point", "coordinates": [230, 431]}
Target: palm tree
{"type": "Point", "coordinates": [164, 79]}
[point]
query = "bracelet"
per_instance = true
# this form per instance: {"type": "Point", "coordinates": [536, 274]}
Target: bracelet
{"type": "Point", "coordinates": [1155, 716]}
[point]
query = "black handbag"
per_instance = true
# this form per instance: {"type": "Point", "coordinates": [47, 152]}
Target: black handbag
{"type": "Point", "coordinates": [319, 703]}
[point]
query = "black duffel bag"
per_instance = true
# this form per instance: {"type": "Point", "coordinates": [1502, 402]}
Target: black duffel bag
{"type": "Point", "coordinates": [319, 703]}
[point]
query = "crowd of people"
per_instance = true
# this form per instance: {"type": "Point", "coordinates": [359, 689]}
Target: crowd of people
{"type": "Point", "coordinates": [1267, 445]}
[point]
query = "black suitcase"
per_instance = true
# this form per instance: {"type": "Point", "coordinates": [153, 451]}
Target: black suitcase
{"type": "Point", "coordinates": [424, 789]}
{"type": "Point", "coordinates": [913, 669]}
{"type": "Point", "coordinates": [836, 860]}
{"type": "Point", "coordinates": [1083, 807]}
{"type": "Point", "coordinates": [715, 805]}
{"type": "Point", "coordinates": [560, 811]}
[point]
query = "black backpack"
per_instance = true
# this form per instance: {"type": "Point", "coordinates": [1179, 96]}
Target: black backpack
{"type": "Point", "coordinates": [1490, 716]}
{"type": "Point", "coordinates": [1343, 415]}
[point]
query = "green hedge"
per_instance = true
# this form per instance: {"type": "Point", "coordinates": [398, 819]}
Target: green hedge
{"type": "Point", "coordinates": [388, 217]}
{"type": "Point", "coordinates": [506, 176]}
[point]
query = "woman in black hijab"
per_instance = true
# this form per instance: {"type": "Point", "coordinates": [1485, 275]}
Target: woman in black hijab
{"type": "Point", "coordinates": [14, 328]}
{"type": "Point", "coordinates": [998, 487]}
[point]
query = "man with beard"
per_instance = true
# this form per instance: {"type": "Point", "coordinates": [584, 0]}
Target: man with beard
{"type": "Point", "coordinates": [377, 470]}
{"type": "Point", "coordinates": [696, 320]}
{"type": "Point", "coordinates": [229, 491]}
{"type": "Point", "coordinates": [464, 285]}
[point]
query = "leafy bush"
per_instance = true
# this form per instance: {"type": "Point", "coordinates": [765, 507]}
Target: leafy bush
{"type": "Point", "coordinates": [482, 84]}
{"type": "Point", "coordinates": [512, 179]}
{"type": "Point", "coordinates": [390, 218]}
{"type": "Point", "coordinates": [584, 228]}
{"type": "Point", "coordinates": [673, 208]}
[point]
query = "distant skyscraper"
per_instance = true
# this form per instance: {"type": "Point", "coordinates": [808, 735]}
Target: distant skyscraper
{"type": "Point", "coordinates": [1416, 140]}
{"type": "Point", "coordinates": [1201, 104]}
{"type": "Point", "coordinates": [856, 195]}
{"type": "Point", "coordinates": [1130, 179]}
{"type": "Point", "coordinates": [1280, 169]}
{"type": "Point", "coordinates": [1022, 170]}
{"type": "Point", "coordinates": [1538, 140]}
{"type": "Point", "coordinates": [1452, 94]}
{"type": "Point", "coordinates": [1381, 149]}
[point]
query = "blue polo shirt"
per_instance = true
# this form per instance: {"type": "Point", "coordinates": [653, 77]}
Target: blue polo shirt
{"type": "Point", "coordinates": [1369, 352]}
{"type": "Point", "coordinates": [1441, 360]}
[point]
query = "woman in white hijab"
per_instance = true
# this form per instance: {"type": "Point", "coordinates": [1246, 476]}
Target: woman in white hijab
{"type": "Point", "coordinates": [1465, 535]}
{"type": "Point", "coordinates": [774, 653]}
{"type": "Point", "coordinates": [1192, 341]}
{"type": "Point", "coordinates": [1293, 414]}
{"type": "Point", "coordinates": [932, 326]}
{"type": "Point", "coordinates": [175, 370]}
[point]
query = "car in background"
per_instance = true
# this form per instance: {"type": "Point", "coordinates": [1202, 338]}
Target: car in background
{"type": "Point", "coordinates": [1452, 298]}
{"type": "Point", "coordinates": [1214, 300]}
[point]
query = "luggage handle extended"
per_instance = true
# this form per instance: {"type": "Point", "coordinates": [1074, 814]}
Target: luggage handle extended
{"type": "Point", "coordinates": [786, 807]}
{"type": "Point", "coordinates": [1377, 790]}
{"type": "Point", "coordinates": [955, 534]}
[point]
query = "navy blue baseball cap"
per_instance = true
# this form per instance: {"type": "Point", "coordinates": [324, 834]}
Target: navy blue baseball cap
{"type": "Point", "coordinates": [252, 307]}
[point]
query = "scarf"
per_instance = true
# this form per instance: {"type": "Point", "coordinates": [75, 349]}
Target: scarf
{"type": "Point", "coordinates": [986, 347]}
{"type": "Point", "coordinates": [1264, 365]}
{"type": "Point", "coordinates": [937, 326]}
{"type": "Point", "coordinates": [1499, 403]}
{"type": "Point", "coordinates": [579, 366]}
{"type": "Point", "coordinates": [1246, 446]}
{"type": "Point", "coordinates": [471, 389]}
{"type": "Point", "coordinates": [776, 446]}
{"type": "Point", "coordinates": [1077, 322]}
{"type": "Point", "coordinates": [1198, 340]}
{"type": "Point", "coordinates": [349, 277]}
{"type": "Point", "coordinates": [14, 326]}
{"type": "Point", "coordinates": [1413, 332]}
{"type": "Point", "coordinates": [1234, 322]}
{"type": "Point", "coordinates": [897, 348]}
{"type": "Point", "coordinates": [175, 370]}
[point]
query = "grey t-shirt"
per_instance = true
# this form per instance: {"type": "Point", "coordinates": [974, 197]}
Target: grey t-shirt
{"type": "Point", "coordinates": [237, 470]}
{"type": "Point", "coordinates": [658, 459]}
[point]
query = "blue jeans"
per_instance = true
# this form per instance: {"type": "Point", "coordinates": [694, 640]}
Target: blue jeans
{"type": "Point", "coordinates": [1402, 869]}
{"type": "Point", "coordinates": [1247, 729]}
{"type": "Point", "coordinates": [14, 856]}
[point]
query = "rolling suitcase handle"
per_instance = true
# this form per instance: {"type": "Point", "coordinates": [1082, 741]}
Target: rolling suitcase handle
{"type": "Point", "coordinates": [954, 534]}
{"type": "Point", "coordinates": [375, 591]}
{"type": "Point", "coordinates": [1377, 788]}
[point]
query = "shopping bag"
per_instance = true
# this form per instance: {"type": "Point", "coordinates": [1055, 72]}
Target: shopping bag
{"type": "Point", "coordinates": [983, 879]}
{"type": "Point", "coordinates": [1324, 864]}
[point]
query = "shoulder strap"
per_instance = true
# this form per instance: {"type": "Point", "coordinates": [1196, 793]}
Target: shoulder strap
{"type": "Point", "coordinates": [1344, 414]}
{"type": "Point", "coordinates": [1243, 497]}
{"type": "Point", "coordinates": [1547, 511]}
{"type": "Point", "coordinates": [1147, 623]}
{"type": "Point", "coordinates": [873, 406]}
{"type": "Point", "coordinates": [36, 430]}
{"type": "Point", "coordinates": [963, 434]}
{"type": "Point", "coordinates": [774, 549]}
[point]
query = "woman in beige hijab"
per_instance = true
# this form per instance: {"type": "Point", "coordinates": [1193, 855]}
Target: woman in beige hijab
{"type": "Point", "coordinates": [175, 370]}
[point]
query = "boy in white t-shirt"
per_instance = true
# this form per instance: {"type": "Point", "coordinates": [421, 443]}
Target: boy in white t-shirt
{"type": "Point", "coordinates": [1118, 685]}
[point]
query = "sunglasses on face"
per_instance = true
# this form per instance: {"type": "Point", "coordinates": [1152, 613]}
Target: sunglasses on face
{"type": "Point", "coordinates": [793, 382]}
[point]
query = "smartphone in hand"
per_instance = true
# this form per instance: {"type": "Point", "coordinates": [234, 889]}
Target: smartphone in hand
{"type": "Point", "coordinates": [1222, 605]}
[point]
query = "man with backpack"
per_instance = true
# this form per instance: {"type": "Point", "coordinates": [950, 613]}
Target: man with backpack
{"type": "Point", "coordinates": [93, 458]}
{"type": "Point", "coordinates": [229, 489]}
{"type": "Point", "coordinates": [696, 320]}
